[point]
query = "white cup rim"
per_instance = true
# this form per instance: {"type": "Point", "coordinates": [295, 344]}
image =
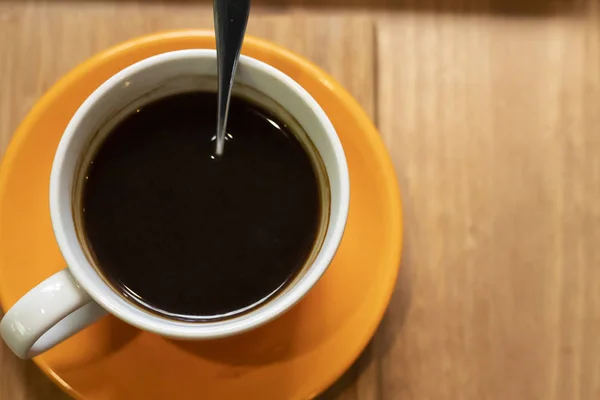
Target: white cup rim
{"type": "Point", "coordinates": [84, 272]}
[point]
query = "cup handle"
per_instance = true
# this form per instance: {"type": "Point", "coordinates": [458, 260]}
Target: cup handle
{"type": "Point", "coordinates": [49, 313]}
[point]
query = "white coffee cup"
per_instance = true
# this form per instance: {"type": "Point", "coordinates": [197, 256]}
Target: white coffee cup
{"type": "Point", "coordinates": [77, 296]}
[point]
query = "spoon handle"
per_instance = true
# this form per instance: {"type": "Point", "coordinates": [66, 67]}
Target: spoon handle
{"type": "Point", "coordinates": [231, 18]}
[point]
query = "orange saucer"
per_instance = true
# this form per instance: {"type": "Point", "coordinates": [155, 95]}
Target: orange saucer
{"type": "Point", "coordinates": [295, 357]}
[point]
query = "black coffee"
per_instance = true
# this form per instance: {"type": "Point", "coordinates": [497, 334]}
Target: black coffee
{"type": "Point", "coordinates": [195, 237]}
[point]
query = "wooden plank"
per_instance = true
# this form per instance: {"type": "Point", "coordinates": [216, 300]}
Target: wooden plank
{"type": "Point", "coordinates": [47, 39]}
{"type": "Point", "coordinates": [492, 123]}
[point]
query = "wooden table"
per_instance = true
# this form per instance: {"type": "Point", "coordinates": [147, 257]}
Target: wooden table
{"type": "Point", "coordinates": [491, 112]}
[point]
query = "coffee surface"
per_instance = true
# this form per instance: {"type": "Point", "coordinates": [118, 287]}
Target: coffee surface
{"type": "Point", "coordinates": [191, 236]}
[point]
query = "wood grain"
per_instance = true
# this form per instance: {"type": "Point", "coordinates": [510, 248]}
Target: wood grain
{"type": "Point", "coordinates": [490, 112]}
{"type": "Point", "coordinates": [493, 125]}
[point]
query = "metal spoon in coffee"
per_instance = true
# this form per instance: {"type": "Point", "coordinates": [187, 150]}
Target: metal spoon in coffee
{"type": "Point", "coordinates": [231, 18]}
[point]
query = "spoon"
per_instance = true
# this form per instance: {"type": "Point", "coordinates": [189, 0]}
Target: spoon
{"type": "Point", "coordinates": [231, 18]}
